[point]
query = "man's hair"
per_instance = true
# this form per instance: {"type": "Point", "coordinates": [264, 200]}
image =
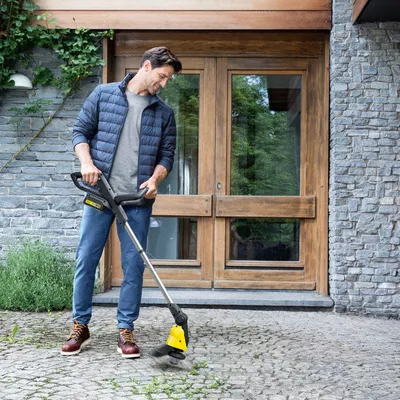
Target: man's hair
{"type": "Point", "coordinates": [161, 56]}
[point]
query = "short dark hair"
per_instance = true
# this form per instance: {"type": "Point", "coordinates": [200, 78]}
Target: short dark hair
{"type": "Point", "coordinates": [160, 56]}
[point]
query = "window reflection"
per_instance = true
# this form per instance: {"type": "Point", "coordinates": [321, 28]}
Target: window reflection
{"type": "Point", "coordinates": [265, 161]}
{"type": "Point", "coordinates": [265, 149]}
{"type": "Point", "coordinates": [172, 238]}
{"type": "Point", "coordinates": [264, 239]}
{"type": "Point", "coordinates": [182, 94]}
{"type": "Point", "coordinates": [176, 238]}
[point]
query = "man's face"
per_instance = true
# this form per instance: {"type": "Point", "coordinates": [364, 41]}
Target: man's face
{"type": "Point", "coordinates": [157, 78]}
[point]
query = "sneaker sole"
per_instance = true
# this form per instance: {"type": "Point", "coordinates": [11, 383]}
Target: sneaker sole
{"type": "Point", "coordinates": [135, 355]}
{"type": "Point", "coordinates": [73, 353]}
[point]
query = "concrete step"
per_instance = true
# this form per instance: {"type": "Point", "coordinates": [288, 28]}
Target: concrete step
{"type": "Point", "coordinates": [224, 298]}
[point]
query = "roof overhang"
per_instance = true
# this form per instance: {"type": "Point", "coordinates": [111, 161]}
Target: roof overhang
{"type": "Point", "coordinates": [376, 11]}
{"type": "Point", "coordinates": [238, 15]}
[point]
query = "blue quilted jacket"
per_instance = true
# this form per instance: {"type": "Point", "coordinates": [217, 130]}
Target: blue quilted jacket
{"type": "Point", "coordinates": [100, 123]}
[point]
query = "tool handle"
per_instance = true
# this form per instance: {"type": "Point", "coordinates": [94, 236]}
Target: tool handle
{"type": "Point", "coordinates": [77, 179]}
{"type": "Point", "coordinates": [104, 191]}
{"type": "Point", "coordinates": [132, 199]}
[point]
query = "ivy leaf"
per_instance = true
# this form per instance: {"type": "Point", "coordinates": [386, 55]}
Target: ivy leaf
{"type": "Point", "coordinates": [42, 76]}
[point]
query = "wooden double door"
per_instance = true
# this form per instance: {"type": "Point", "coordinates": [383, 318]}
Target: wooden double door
{"type": "Point", "coordinates": [245, 205]}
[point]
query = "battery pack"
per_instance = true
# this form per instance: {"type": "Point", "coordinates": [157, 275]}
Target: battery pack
{"type": "Point", "coordinates": [92, 201]}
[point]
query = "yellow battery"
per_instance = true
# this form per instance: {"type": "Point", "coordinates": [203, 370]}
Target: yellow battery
{"type": "Point", "coordinates": [93, 204]}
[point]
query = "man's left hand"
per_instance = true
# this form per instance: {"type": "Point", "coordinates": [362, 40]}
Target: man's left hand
{"type": "Point", "coordinates": [152, 188]}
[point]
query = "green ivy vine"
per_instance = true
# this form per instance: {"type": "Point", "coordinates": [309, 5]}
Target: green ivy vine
{"type": "Point", "coordinates": [76, 49]}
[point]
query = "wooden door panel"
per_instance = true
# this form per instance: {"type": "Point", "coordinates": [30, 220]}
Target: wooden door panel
{"type": "Point", "coordinates": [306, 208]}
{"type": "Point", "coordinates": [183, 272]}
{"type": "Point", "coordinates": [183, 206]}
{"type": "Point", "coordinates": [265, 206]}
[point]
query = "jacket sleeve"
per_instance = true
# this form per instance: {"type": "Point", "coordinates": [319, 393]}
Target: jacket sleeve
{"type": "Point", "coordinates": [166, 151]}
{"type": "Point", "coordinates": [86, 125]}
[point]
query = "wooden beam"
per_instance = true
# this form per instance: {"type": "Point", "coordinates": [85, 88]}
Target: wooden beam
{"type": "Point", "coordinates": [108, 57]}
{"type": "Point", "coordinates": [323, 212]}
{"type": "Point", "coordinates": [105, 261]}
{"type": "Point", "coordinates": [358, 8]}
{"type": "Point", "coordinates": [190, 20]}
{"type": "Point", "coordinates": [174, 283]}
{"type": "Point", "coordinates": [262, 265]}
{"type": "Point", "coordinates": [183, 206]}
{"type": "Point", "coordinates": [272, 284]}
{"type": "Point", "coordinates": [179, 5]}
{"type": "Point", "coordinates": [265, 206]}
{"type": "Point", "coordinates": [272, 63]}
{"type": "Point", "coordinates": [164, 263]}
{"type": "Point", "coordinates": [224, 36]}
{"type": "Point", "coordinates": [226, 43]}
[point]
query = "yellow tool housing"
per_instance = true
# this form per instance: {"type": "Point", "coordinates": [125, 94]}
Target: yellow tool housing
{"type": "Point", "coordinates": [176, 338]}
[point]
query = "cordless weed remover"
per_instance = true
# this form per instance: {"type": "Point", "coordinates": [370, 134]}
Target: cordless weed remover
{"type": "Point", "coordinates": [103, 196]}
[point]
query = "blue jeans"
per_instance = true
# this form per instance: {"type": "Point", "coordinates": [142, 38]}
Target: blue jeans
{"type": "Point", "coordinates": [95, 227]}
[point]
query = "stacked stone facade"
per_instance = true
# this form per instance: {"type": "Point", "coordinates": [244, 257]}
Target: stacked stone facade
{"type": "Point", "coordinates": [364, 222]}
{"type": "Point", "coordinates": [37, 197]}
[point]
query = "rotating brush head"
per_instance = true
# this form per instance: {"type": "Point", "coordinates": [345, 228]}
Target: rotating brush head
{"type": "Point", "coordinates": [174, 346]}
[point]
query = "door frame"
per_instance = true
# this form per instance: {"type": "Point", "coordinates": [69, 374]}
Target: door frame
{"type": "Point", "coordinates": [312, 49]}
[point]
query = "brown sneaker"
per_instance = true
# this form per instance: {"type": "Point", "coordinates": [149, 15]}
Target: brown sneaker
{"type": "Point", "coordinates": [80, 337]}
{"type": "Point", "coordinates": [126, 345]}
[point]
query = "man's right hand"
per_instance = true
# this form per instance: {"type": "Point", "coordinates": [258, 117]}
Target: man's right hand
{"type": "Point", "coordinates": [90, 174]}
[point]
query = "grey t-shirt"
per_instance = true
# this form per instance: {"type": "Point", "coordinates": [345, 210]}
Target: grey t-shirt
{"type": "Point", "coordinates": [124, 172]}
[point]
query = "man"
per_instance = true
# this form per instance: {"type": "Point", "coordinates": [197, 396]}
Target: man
{"type": "Point", "coordinates": [126, 132]}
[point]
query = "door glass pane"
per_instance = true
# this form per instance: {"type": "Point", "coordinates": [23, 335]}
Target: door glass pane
{"type": "Point", "coordinates": [176, 238]}
{"type": "Point", "coordinates": [265, 147]}
{"type": "Point", "coordinates": [172, 238]}
{"type": "Point", "coordinates": [182, 94]}
{"type": "Point", "coordinates": [265, 161]}
{"type": "Point", "coordinates": [264, 239]}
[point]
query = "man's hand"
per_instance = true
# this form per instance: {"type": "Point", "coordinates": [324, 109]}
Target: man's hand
{"type": "Point", "coordinates": [152, 188]}
{"type": "Point", "coordinates": [158, 176]}
{"type": "Point", "coordinates": [90, 174]}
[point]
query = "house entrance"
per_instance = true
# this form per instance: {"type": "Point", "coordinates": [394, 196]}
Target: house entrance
{"type": "Point", "coordinates": [245, 205]}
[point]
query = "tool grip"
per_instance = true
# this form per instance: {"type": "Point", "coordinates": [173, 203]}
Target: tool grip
{"type": "Point", "coordinates": [104, 191]}
{"type": "Point", "coordinates": [132, 199]}
{"type": "Point", "coordinates": [77, 179]}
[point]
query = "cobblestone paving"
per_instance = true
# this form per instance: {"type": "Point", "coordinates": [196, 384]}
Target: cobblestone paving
{"type": "Point", "coordinates": [233, 354]}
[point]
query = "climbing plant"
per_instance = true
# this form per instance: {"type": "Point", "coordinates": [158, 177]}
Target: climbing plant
{"type": "Point", "coordinates": [20, 33]}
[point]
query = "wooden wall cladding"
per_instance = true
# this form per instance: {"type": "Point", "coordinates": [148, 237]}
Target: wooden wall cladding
{"type": "Point", "coordinates": [190, 14]}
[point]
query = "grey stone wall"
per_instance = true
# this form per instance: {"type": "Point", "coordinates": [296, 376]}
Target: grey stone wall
{"type": "Point", "coordinates": [364, 165]}
{"type": "Point", "coordinates": [37, 197]}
